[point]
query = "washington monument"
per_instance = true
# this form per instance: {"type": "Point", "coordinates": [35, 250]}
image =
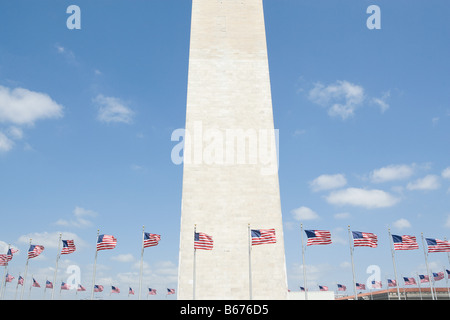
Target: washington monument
{"type": "Point", "coordinates": [230, 176]}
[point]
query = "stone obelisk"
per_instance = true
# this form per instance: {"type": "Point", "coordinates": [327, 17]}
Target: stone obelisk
{"type": "Point", "coordinates": [230, 176]}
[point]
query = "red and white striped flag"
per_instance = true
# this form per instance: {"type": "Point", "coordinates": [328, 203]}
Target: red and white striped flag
{"type": "Point", "coordinates": [436, 245]}
{"type": "Point", "coordinates": [106, 242]}
{"type": "Point", "coordinates": [404, 242]}
{"type": "Point", "coordinates": [34, 251]}
{"type": "Point", "coordinates": [68, 246]}
{"type": "Point", "coordinates": [36, 284]}
{"type": "Point", "coordinates": [115, 289]}
{"type": "Point", "coordinates": [438, 276]}
{"type": "Point", "coordinates": [263, 236]}
{"type": "Point", "coordinates": [392, 283]}
{"type": "Point", "coordinates": [203, 241]}
{"type": "Point", "coordinates": [409, 281]}
{"type": "Point", "coordinates": [151, 239]}
{"type": "Point", "coordinates": [170, 291]}
{"type": "Point", "coordinates": [9, 278]}
{"type": "Point", "coordinates": [98, 288]}
{"type": "Point", "coordinates": [151, 291]}
{"type": "Point", "coordinates": [376, 284]}
{"type": "Point", "coordinates": [364, 239]}
{"type": "Point", "coordinates": [318, 237]}
{"type": "Point", "coordinates": [360, 286]}
{"type": "Point", "coordinates": [65, 286]}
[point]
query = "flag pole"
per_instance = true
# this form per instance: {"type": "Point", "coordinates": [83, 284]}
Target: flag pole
{"type": "Point", "coordinates": [194, 266]}
{"type": "Point", "coordinates": [304, 265]}
{"type": "Point", "coordinates": [393, 262]}
{"type": "Point", "coordinates": [25, 275]}
{"type": "Point", "coordinates": [95, 265]}
{"type": "Point", "coordinates": [58, 255]}
{"type": "Point", "coordinates": [446, 281]}
{"type": "Point", "coordinates": [418, 283]}
{"type": "Point", "coordinates": [17, 287]}
{"type": "Point", "coordinates": [142, 259]}
{"type": "Point", "coordinates": [353, 265]}
{"type": "Point", "coordinates": [250, 285]}
{"type": "Point", "coordinates": [31, 284]}
{"type": "Point", "coordinates": [45, 288]}
{"type": "Point", "coordinates": [5, 271]}
{"type": "Point", "coordinates": [428, 270]}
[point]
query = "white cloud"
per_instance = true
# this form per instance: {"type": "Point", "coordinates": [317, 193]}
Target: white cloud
{"type": "Point", "coordinates": [446, 173]}
{"type": "Point", "coordinates": [304, 213]}
{"type": "Point", "coordinates": [362, 198]}
{"type": "Point", "coordinates": [326, 182]}
{"type": "Point", "coordinates": [341, 98]}
{"type": "Point", "coordinates": [15, 133]}
{"type": "Point", "coordinates": [123, 257]}
{"type": "Point", "coordinates": [429, 182]}
{"type": "Point", "coordinates": [381, 102]}
{"type": "Point", "coordinates": [392, 172]}
{"type": "Point", "coordinates": [80, 220]}
{"type": "Point", "coordinates": [6, 144]}
{"type": "Point", "coordinates": [49, 239]}
{"type": "Point", "coordinates": [24, 107]}
{"type": "Point", "coordinates": [112, 109]}
{"type": "Point", "coordinates": [402, 223]}
{"type": "Point", "coordinates": [342, 215]}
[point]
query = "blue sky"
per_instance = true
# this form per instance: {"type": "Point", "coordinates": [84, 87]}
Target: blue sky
{"type": "Point", "coordinates": [86, 118]}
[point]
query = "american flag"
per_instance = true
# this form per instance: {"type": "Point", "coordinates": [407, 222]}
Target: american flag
{"type": "Point", "coordinates": [81, 288]}
{"type": "Point", "coordinates": [98, 288]}
{"type": "Point", "coordinates": [302, 289]}
{"type": "Point", "coordinates": [115, 289]}
{"type": "Point", "coordinates": [341, 287]}
{"type": "Point", "coordinates": [438, 276]}
{"type": "Point", "coordinates": [203, 241]}
{"type": "Point", "coordinates": [3, 260]}
{"type": "Point", "coordinates": [436, 245]}
{"type": "Point", "coordinates": [360, 286]}
{"type": "Point", "coordinates": [318, 237]}
{"type": "Point", "coordinates": [36, 284]}
{"type": "Point", "coordinates": [130, 291]}
{"type": "Point", "coordinates": [391, 283]}
{"type": "Point", "coordinates": [65, 286]}
{"type": "Point", "coordinates": [10, 253]}
{"type": "Point", "coordinates": [376, 284]}
{"type": "Point", "coordinates": [323, 288]}
{"type": "Point", "coordinates": [448, 273]}
{"type": "Point", "coordinates": [404, 242]}
{"type": "Point", "coordinates": [364, 239]}
{"type": "Point", "coordinates": [424, 278]}
{"type": "Point", "coordinates": [20, 280]}
{"type": "Point", "coordinates": [9, 278]}
{"type": "Point", "coordinates": [68, 246]}
{"type": "Point", "coordinates": [48, 284]}
{"type": "Point", "coordinates": [263, 236]}
{"type": "Point", "coordinates": [151, 239]}
{"type": "Point", "coordinates": [151, 291]}
{"type": "Point", "coordinates": [409, 281]}
{"type": "Point", "coordinates": [106, 242]}
{"type": "Point", "coordinates": [170, 291]}
{"type": "Point", "coordinates": [34, 251]}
